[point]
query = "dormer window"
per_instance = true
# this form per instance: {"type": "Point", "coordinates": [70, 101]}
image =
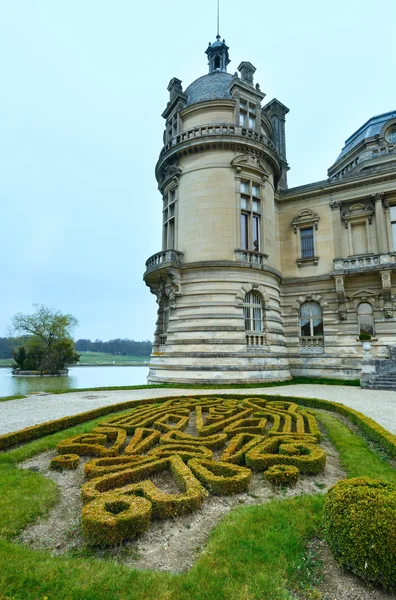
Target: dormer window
{"type": "Point", "coordinates": [247, 114]}
{"type": "Point", "coordinates": [392, 137]}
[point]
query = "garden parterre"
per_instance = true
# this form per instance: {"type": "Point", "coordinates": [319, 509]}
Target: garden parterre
{"type": "Point", "coordinates": [208, 446]}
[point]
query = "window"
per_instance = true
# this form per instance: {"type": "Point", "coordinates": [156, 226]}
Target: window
{"type": "Point", "coordinates": [169, 215]}
{"type": "Point", "coordinates": [365, 318]}
{"type": "Point", "coordinates": [250, 215]}
{"type": "Point", "coordinates": [393, 220]}
{"type": "Point", "coordinates": [253, 312]}
{"type": "Point", "coordinates": [172, 127]}
{"type": "Point", "coordinates": [307, 242]}
{"type": "Point", "coordinates": [247, 114]}
{"type": "Point", "coordinates": [311, 321]}
{"type": "Point", "coordinates": [392, 137]}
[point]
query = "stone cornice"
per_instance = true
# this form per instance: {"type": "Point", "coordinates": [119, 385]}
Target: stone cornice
{"type": "Point", "coordinates": [322, 188]}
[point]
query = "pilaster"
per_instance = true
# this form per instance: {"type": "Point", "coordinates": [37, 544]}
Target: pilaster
{"type": "Point", "coordinates": [382, 241]}
{"type": "Point", "coordinates": [336, 219]}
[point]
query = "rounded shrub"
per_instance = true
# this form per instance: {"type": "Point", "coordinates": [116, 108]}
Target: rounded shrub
{"type": "Point", "coordinates": [282, 475]}
{"type": "Point", "coordinates": [360, 528]}
{"type": "Point", "coordinates": [65, 461]}
{"type": "Point", "coordinates": [114, 517]}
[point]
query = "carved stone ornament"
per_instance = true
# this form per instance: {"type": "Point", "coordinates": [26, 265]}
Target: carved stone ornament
{"type": "Point", "coordinates": [170, 286]}
{"type": "Point", "coordinates": [379, 197]}
{"type": "Point", "coordinates": [358, 212]}
{"type": "Point", "coordinates": [169, 171]}
{"type": "Point", "coordinates": [341, 297]}
{"type": "Point", "coordinates": [248, 287]}
{"type": "Point", "coordinates": [305, 218]}
{"type": "Point", "coordinates": [251, 162]}
{"type": "Point", "coordinates": [336, 205]}
{"type": "Point", "coordinates": [387, 294]}
{"type": "Point", "coordinates": [310, 298]}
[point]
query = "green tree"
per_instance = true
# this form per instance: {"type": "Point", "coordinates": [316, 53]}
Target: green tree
{"type": "Point", "coordinates": [49, 346]}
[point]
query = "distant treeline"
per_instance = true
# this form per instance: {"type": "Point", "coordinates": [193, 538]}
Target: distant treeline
{"type": "Point", "coordinates": [123, 347]}
{"type": "Point", "coordinates": [8, 344]}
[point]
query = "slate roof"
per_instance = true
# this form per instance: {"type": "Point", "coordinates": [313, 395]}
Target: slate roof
{"type": "Point", "coordinates": [372, 127]}
{"type": "Point", "coordinates": [213, 86]}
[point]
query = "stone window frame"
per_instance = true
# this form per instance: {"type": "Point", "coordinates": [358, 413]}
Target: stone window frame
{"type": "Point", "coordinates": [392, 220]}
{"type": "Point", "coordinates": [251, 214]}
{"type": "Point", "coordinates": [306, 219]}
{"type": "Point", "coordinates": [170, 198]}
{"type": "Point", "coordinates": [358, 213]}
{"type": "Point", "coordinates": [254, 339]}
{"type": "Point", "coordinates": [361, 303]}
{"type": "Point", "coordinates": [310, 343]}
{"type": "Point", "coordinates": [248, 110]}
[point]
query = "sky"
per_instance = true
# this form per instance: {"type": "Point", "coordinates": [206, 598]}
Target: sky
{"type": "Point", "coordinates": [83, 86]}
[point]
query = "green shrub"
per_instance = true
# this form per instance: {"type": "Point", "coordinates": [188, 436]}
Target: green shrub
{"type": "Point", "coordinates": [65, 461]}
{"type": "Point", "coordinates": [359, 519]}
{"type": "Point", "coordinates": [221, 478]}
{"type": "Point", "coordinates": [114, 517]}
{"type": "Point", "coordinates": [282, 475]}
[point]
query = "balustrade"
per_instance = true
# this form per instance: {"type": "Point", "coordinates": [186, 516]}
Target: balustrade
{"type": "Point", "coordinates": [217, 130]}
{"type": "Point", "coordinates": [371, 261]}
{"type": "Point", "coordinates": [312, 342]}
{"type": "Point", "coordinates": [167, 256]}
{"type": "Point", "coordinates": [255, 340]}
{"type": "Point", "coordinates": [253, 258]}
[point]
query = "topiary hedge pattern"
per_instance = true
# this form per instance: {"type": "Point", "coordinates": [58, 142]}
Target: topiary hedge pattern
{"type": "Point", "coordinates": [282, 475]}
{"type": "Point", "coordinates": [359, 519]}
{"type": "Point", "coordinates": [205, 445]}
{"type": "Point", "coordinates": [65, 462]}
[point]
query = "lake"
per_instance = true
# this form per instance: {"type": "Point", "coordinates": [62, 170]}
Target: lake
{"type": "Point", "coordinates": [79, 377]}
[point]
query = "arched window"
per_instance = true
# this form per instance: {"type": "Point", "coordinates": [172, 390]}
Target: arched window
{"type": "Point", "coordinates": [253, 312]}
{"type": "Point", "coordinates": [311, 320]}
{"type": "Point", "coordinates": [365, 318]}
{"type": "Point", "coordinates": [217, 62]}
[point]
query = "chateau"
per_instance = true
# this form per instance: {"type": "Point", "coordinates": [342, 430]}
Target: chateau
{"type": "Point", "coordinates": [257, 281]}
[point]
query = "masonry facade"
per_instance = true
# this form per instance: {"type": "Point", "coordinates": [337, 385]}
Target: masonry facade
{"type": "Point", "coordinates": [256, 281]}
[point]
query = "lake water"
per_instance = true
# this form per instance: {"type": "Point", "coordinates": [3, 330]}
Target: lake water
{"type": "Point", "coordinates": [79, 377]}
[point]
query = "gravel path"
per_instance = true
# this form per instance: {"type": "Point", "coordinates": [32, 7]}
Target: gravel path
{"type": "Point", "coordinates": [17, 414]}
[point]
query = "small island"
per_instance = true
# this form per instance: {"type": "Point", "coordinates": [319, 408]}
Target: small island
{"type": "Point", "coordinates": [48, 347]}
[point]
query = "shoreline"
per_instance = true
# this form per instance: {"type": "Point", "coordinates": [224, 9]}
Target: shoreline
{"type": "Point", "coordinates": [97, 365]}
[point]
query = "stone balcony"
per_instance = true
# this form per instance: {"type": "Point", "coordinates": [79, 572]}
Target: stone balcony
{"type": "Point", "coordinates": [365, 262]}
{"type": "Point", "coordinates": [221, 129]}
{"type": "Point", "coordinates": [163, 259]}
{"type": "Point", "coordinates": [250, 257]}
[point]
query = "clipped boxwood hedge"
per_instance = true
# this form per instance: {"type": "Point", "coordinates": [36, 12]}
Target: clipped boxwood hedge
{"type": "Point", "coordinates": [221, 478]}
{"type": "Point", "coordinates": [65, 462]}
{"type": "Point", "coordinates": [360, 528]}
{"type": "Point", "coordinates": [266, 454]}
{"type": "Point", "coordinates": [282, 475]}
{"type": "Point", "coordinates": [114, 517]}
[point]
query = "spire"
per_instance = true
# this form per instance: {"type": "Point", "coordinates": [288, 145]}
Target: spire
{"type": "Point", "coordinates": [218, 55]}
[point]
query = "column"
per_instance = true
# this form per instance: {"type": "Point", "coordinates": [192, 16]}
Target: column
{"type": "Point", "coordinates": [337, 233]}
{"type": "Point", "coordinates": [382, 242]}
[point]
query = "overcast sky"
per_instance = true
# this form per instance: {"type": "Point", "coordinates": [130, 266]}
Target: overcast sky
{"type": "Point", "coordinates": [83, 86]}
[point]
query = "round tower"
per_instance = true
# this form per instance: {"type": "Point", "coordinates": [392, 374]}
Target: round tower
{"type": "Point", "coordinates": [217, 277]}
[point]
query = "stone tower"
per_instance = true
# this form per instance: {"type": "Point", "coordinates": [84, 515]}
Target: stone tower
{"type": "Point", "coordinates": [217, 278]}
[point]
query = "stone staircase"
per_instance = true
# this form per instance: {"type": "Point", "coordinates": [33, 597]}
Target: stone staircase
{"type": "Point", "coordinates": [383, 382]}
{"type": "Point", "coordinates": [379, 374]}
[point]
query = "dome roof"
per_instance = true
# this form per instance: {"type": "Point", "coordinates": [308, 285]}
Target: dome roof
{"type": "Point", "coordinates": [213, 86]}
{"type": "Point", "coordinates": [371, 128]}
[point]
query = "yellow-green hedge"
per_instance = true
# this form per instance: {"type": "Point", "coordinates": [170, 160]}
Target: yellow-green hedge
{"type": "Point", "coordinates": [221, 478]}
{"type": "Point", "coordinates": [183, 450]}
{"type": "Point", "coordinates": [238, 446]}
{"type": "Point", "coordinates": [114, 517]}
{"type": "Point", "coordinates": [93, 444]}
{"type": "Point", "coordinates": [65, 461]}
{"type": "Point", "coordinates": [133, 481]}
{"type": "Point", "coordinates": [143, 439]}
{"type": "Point", "coordinates": [266, 454]}
{"type": "Point", "coordinates": [282, 474]}
{"type": "Point", "coordinates": [360, 528]}
{"type": "Point", "coordinates": [213, 442]}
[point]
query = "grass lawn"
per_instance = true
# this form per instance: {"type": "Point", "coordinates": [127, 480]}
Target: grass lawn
{"type": "Point", "coordinates": [255, 553]}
